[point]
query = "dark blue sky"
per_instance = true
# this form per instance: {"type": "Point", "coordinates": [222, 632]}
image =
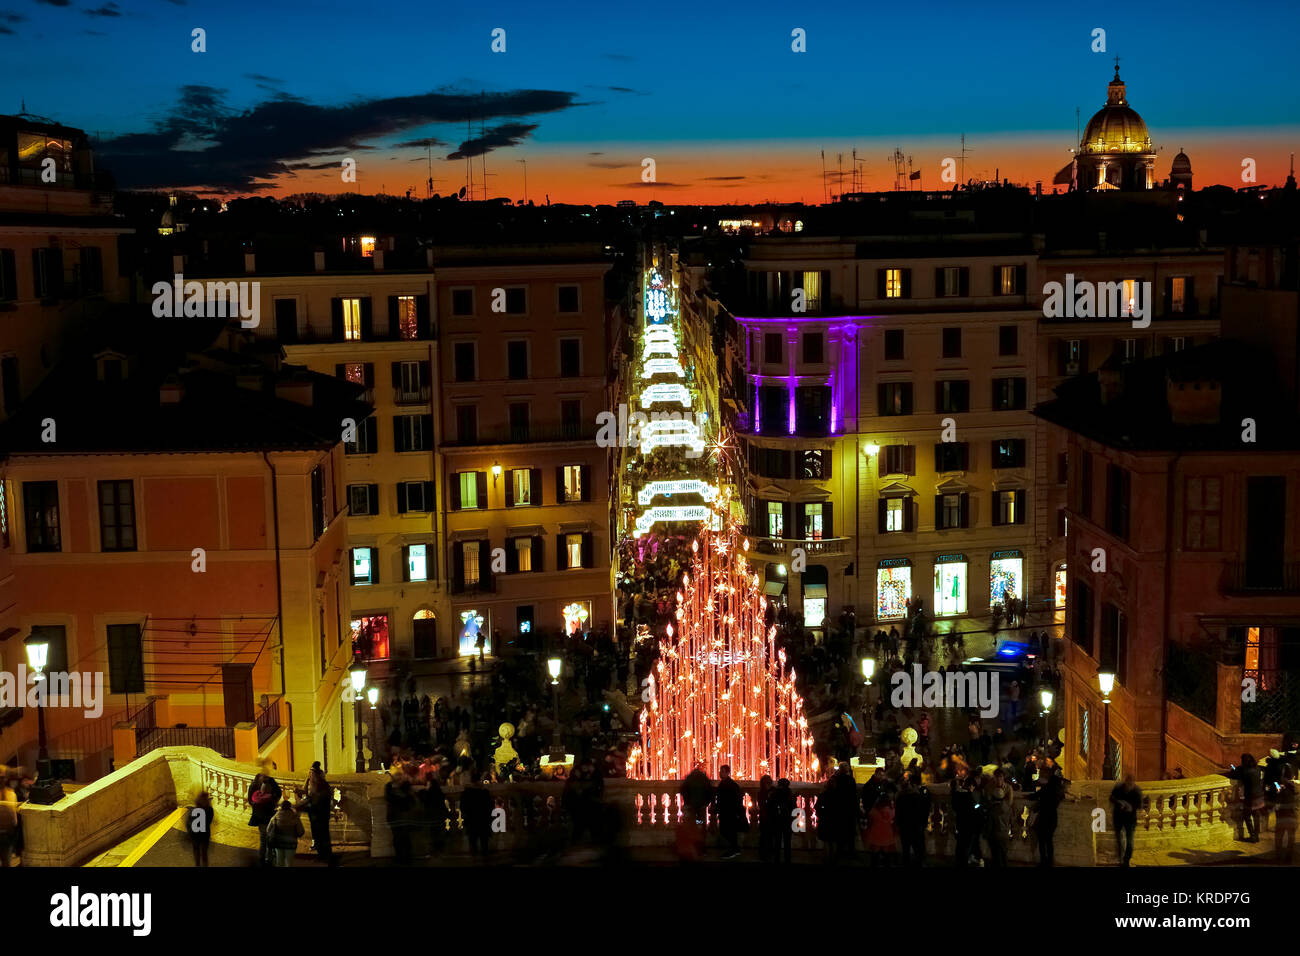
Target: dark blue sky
{"type": "Point", "coordinates": [694, 80]}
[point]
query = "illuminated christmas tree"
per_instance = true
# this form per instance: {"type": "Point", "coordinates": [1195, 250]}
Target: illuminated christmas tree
{"type": "Point", "coordinates": [721, 693]}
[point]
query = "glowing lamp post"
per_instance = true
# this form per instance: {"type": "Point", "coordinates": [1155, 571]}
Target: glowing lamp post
{"type": "Point", "coordinates": [1045, 697]}
{"type": "Point", "coordinates": [372, 695]}
{"type": "Point", "coordinates": [868, 669]}
{"type": "Point", "coordinates": [44, 790]}
{"type": "Point", "coordinates": [554, 665]}
{"type": "Point", "coordinates": [1106, 681]}
{"type": "Point", "coordinates": [357, 673]}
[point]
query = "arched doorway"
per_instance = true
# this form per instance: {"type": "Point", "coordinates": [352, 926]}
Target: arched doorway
{"type": "Point", "coordinates": [424, 624]}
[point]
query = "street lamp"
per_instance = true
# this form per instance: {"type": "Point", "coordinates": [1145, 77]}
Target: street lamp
{"type": "Point", "coordinates": [1106, 681]}
{"type": "Point", "coordinates": [358, 674]}
{"type": "Point", "coordinates": [496, 473]}
{"type": "Point", "coordinates": [1045, 697]}
{"type": "Point", "coordinates": [44, 789]}
{"type": "Point", "coordinates": [372, 695]}
{"type": "Point", "coordinates": [554, 665]}
{"type": "Point", "coordinates": [868, 669]}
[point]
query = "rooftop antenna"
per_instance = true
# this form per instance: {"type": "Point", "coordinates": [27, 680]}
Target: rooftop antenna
{"type": "Point", "coordinates": [525, 165]}
{"type": "Point", "coordinates": [898, 161]}
{"type": "Point", "coordinates": [823, 177]}
{"type": "Point", "coordinates": [964, 151]}
{"type": "Point", "coordinates": [862, 179]}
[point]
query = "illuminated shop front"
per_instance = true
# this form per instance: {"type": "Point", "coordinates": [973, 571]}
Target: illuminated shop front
{"type": "Point", "coordinates": [1006, 576]}
{"type": "Point", "coordinates": [472, 624]}
{"type": "Point", "coordinates": [370, 636]}
{"type": "Point", "coordinates": [893, 588]}
{"type": "Point", "coordinates": [576, 616]}
{"type": "Point", "coordinates": [815, 580]}
{"type": "Point", "coordinates": [1058, 587]}
{"type": "Point", "coordinates": [950, 584]}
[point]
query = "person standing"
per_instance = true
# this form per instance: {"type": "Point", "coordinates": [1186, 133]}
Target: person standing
{"type": "Point", "coordinates": [198, 822]}
{"type": "Point", "coordinates": [1000, 801]}
{"type": "Point", "coordinates": [879, 834]}
{"type": "Point", "coordinates": [263, 802]}
{"type": "Point", "coordinates": [1252, 794]}
{"type": "Point", "coordinates": [1125, 800]}
{"type": "Point", "coordinates": [1284, 835]}
{"type": "Point", "coordinates": [779, 810]}
{"type": "Point", "coordinates": [476, 806]}
{"type": "Point", "coordinates": [319, 805]}
{"type": "Point", "coordinates": [283, 832]}
{"type": "Point", "coordinates": [1048, 798]}
{"type": "Point", "coordinates": [912, 811]}
{"type": "Point", "coordinates": [401, 803]}
{"type": "Point", "coordinates": [434, 810]}
{"type": "Point", "coordinates": [731, 813]}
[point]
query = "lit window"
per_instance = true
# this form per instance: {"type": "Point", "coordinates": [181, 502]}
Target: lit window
{"type": "Point", "coordinates": [812, 291]}
{"type": "Point", "coordinates": [1007, 280]}
{"type": "Point", "coordinates": [1130, 296]}
{"type": "Point", "coordinates": [775, 520]}
{"type": "Point", "coordinates": [355, 372]}
{"type": "Point", "coordinates": [1059, 587]}
{"type": "Point", "coordinates": [469, 551]}
{"type": "Point", "coordinates": [523, 486]}
{"type": "Point", "coordinates": [893, 591]}
{"type": "Point", "coordinates": [950, 587]}
{"type": "Point", "coordinates": [951, 281]}
{"type": "Point", "coordinates": [573, 545]}
{"type": "Point", "coordinates": [524, 553]}
{"type": "Point", "coordinates": [572, 482]}
{"type": "Point", "coordinates": [1005, 579]}
{"type": "Point", "coordinates": [362, 565]}
{"type": "Point", "coordinates": [407, 326]}
{"type": "Point", "coordinates": [367, 246]}
{"type": "Point", "coordinates": [812, 521]}
{"type": "Point", "coordinates": [894, 513]}
{"type": "Point", "coordinates": [893, 283]}
{"type": "Point", "coordinates": [352, 319]}
{"type": "Point", "coordinates": [468, 481]}
{"type": "Point", "coordinates": [417, 562]}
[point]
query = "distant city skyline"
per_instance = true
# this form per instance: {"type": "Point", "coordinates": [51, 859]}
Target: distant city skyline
{"type": "Point", "coordinates": [583, 95]}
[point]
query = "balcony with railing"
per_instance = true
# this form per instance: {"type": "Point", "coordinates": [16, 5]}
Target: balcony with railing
{"type": "Point", "coordinates": [412, 396]}
{"type": "Point", "coordinates": [811, 546]}
{"type": "Point", "coordinates": [530, 435]}
{"type": "Point", "coordinates": [1260, 579]}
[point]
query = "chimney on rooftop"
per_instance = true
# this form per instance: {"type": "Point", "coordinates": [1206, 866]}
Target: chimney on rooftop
{"type": "Point", "coordinates": [171, 391]}
{"type": "Point", "coordinates": [1197, 401]}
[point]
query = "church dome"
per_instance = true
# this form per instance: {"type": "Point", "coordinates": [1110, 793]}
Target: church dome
{"type": "Point", "coordinates": [1181, 163]}
{"type": "Point", "coordinates": [1116, 127]}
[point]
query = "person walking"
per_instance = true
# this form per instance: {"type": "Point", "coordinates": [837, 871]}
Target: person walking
{"type": "Point", "coordinates": [966, 817]}
{"type": "Point", "coordinates": [198, 823]}
{"type": "Point", "coordinates": [401, 804]}
{"type": "Point", "coordinates": [433, 805]}
{"type": "Point", "coordinates": [1284, 833]}
{"type": "Point", "coordinates": [879, 834]}
{"type": "Point", "coordinates": [731, 813]}
{"type": "Point", "coordinates": [1252, 795]}
{"type": "Point", "coordinates": [282, 833]}
{"type": "Point", "coordinates": [1125, 801]}
{"type": "Point", "coordinates": [1000, 802]}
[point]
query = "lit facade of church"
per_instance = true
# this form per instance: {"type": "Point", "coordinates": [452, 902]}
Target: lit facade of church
{"type": "Point", "coordinates": [1116, 150]}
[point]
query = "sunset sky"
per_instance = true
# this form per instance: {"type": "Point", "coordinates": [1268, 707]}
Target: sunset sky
{"type": "Point", "coordinates": [585, 91]}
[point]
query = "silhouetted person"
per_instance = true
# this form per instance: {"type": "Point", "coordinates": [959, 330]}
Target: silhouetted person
{"type": "Point", "coordinates": [198, 823]}
{"type": "Point", "coordinates": [912, 813]}
{"type": "Point", "coordinates": [476, 806]}
{"type": "Point", "coordinates": [731, 813]}
{"type": "Point", "coordinates": [401, 804]}
{"type": "Point", "coordinates": [780, 811]}
{"type": "Point", "coordinates": [1125, 800]}
{"type": "Point", "coordinates": [319, 804]}
{"type": "Point", "coordinates": [283, 832]}
{"type": "Point", "coordinates": [1048, 798]}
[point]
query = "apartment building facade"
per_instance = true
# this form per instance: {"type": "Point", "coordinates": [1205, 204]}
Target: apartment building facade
{"type": "Point", "coordinates": [58, 248]}
{"type": "Point", "coordinates": [523, 352]}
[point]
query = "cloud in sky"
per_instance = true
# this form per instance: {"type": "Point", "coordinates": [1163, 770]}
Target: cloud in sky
{"type": "Point", "coordinates": [200, 141]}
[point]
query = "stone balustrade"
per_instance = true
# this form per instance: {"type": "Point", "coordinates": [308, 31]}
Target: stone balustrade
{"type": "Point", "coordinates": [1177, 813]}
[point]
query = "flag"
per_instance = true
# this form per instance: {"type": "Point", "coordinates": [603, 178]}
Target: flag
{"type": "Point", "coordinates": [915, 175]}
{"type": "Point", "coordinates": [1065, 176]}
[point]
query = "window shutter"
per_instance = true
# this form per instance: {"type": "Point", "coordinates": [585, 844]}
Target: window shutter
{"type": "Point", "coordinates": [422, 316]}
{"type": "Point", "coordinates": [485, 564]}
{"type": "Point", "coordinates": [1020, 506]}
{"type": "Point", "coordinates": [374, 499]}
{"type": "Point", "coordinates": [964, 280]}
{"type": "Point", "coordinates": [938, 397]}
{"type": "Point", "coordinates": [429, 499]}
{"type": "Point", "coordinates": [336, 319]}
{"type": "Point", "coordinates": [397, 375]}
{"type": "Point", "coordinates": [401, 499]}
{"type": "Point", "coordinates": [510, 488]}
{"type": "Point", "coordinates": [399, 432]}
{"type": "Point", "coordinates": [964, 513]}
{"type": "Point", "coordinates": [392, 316]}
{"type": "Point", "coordinates": [8, 274]}
{"type": "Point", "coordinates": [453, 492]}
{"type": "Point", "coordinates": [788, 527]}
{"type": "Point", "coordinates": [585, 473]}
{"type": "Point", "coordinates": [538, 550]}
{"type": "Point", "coordinates": [938, 281]}
{"type": "Point", "coordinates": [1189, 295]}
{"type": "Point", "coordinates": [882, 512]}
{"type": "Point", "coordinates": [827, 457]}
{"type": "Point", "coordinates": [406, 563]}
{"type": "Point", "coordinates": [512, 557]}
{"type": "Point", "coordinates": [1062, 356]}
{"type": "Point", "coordinates": [997, 280]}
{"type": "Point", "coordinates": [481, 478]}
{"type": "Point", "coordinates": [1020, 279]}
{"type": "Point", "coordinates": [880, 283]}
{"type": "Point", "coordinates": [1167, 304]}
{"type": "Point", "coordinates": [1020, 384]}
{"type": "Point", "coordinates": [938, 513]}
{"type": "Point", "coordinates": [426, 374]}
{"type": "Point", "coordinates": [880, 400]}
{"type": "Point", "coordinates": [997, 513]}
{"type": "Point", "coordinates": [1083, 355]}
{"type": "Point", "coordinates": [457, 567]}
{"type": "Point", "coordinates": [907, 283]}
{"type": "Point", "coordinates": [826, 290]}
{"type": "Point", "coordinates": [561, 558]}
{"type": "Point", "coordinates": [800, 517]}
{"type": "Point", "coordinates": [367, 320]}
{"type": "Point", "coordinates": [56, 273]}
{"type": "Point", "coordinates": [938, 457]}
{"type": "Point", "coordinates": [368, 374]}
{"type": "Point", "coordinates": [372, 434]}
{"type": "Point", "coordinates": [588, 550]}
{"type": "Point", "coordinates": [426, 432]}
{"type": "Point", "coordinates": [339, 370]}
{"type": "Point", "coordinates": [559, 484]}
{"type": "Point", "coordinates": [535, 485]}
{"type": "Point", "coordinates": [828, 520]}
{"type": "Point", "coordinates": [909, 457]}
{"type": "Point", "coordinates": [374, 565]}
{"type": "Point", "coordinates": [909, 514]}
